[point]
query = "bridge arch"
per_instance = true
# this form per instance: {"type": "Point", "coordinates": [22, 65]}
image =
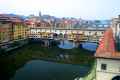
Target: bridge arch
{"type": "Point", "coordinates": [116, 77]}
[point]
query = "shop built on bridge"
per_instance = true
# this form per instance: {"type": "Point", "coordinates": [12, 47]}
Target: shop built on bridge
{"type": "Point", "coordinates": [82, 35]}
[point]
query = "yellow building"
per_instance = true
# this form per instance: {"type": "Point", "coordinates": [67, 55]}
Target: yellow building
{"type": "Point", "coordinates": [12, 28]}
{"type": "Point", "coordinates": [19, 31]}
{"type": "Point", "coordinates": [5, 32]}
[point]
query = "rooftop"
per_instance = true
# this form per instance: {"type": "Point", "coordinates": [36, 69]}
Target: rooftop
{"type": "Point", "coordinates": [107, 47]}
{"type": "Point", "coordinates": [9, 18]}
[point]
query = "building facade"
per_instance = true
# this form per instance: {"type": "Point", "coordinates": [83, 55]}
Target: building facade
{"type": "Point", "coordinates": [69, 34]}
{"type": "Point", "coordinates": [107, 58]}
{"type": "Point", "coordinates": [19, 31]}
{"type": "Point", "coordinates": [64, 28]}
{"type": "Point", "coordinates": [12, 28]}
{"type": "Point", "coordinates": [5, 32]}
{"type": "Point", "coordinates": [34, 27]}
{"type": "Point", "coordinates": [107, 69]}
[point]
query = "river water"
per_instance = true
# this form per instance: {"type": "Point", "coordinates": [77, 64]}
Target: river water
{"type": "Point", "coordinates": [66, 44]}
{"type": "Point", "coordinates": [69, 45]}
{"type": "Point", "coordinates": [45, 70]}
{"type": "Point", "coordinates": [90, 46]}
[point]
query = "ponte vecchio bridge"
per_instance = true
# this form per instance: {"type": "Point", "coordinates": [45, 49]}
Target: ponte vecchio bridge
{"type": "Point", "coordinates": [89, 34]}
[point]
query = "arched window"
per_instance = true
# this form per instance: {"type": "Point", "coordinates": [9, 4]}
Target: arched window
{"type": "Point", "coordinates": [116, 78]}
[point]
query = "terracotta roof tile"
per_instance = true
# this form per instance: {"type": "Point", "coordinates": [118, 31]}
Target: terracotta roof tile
{"type": "Point", "coordinates": [7, 17]}
{"type": "Point", "coordinates": [106, 48]}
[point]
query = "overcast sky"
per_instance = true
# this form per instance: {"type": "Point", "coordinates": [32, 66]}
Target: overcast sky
{"type": "Point", "coordinates": [86, 9]}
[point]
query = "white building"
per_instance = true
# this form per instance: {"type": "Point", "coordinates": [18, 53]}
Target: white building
{"type": "Point", "coordinates": [107, 59]}
{"type": "Point", "coordinates": [107, 69]}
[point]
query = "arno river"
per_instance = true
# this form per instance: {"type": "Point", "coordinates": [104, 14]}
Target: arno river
{"type": "Point", "coordinates": [40, 69]}
{"type": "Point", "coordinates": [44, 70]}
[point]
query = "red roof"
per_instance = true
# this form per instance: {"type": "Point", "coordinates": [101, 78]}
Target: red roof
{"type": "Point", "coordinates": [7, 17]}
{"type": "Point", "coordinates": [29, 22]}
{"type": "Point", "coordinates": [2, 30]}
{"type": "Point", "coordinates": [106, 48]}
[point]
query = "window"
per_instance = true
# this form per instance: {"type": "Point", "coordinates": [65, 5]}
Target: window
{"type": "Point", "coordinates": [103, 66]}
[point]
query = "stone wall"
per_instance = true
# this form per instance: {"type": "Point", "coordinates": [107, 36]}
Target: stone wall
{"type": "Point", "coordinates": [112, 69]}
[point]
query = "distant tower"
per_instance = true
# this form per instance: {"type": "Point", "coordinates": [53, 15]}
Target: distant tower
{"type": "Point", "coordinates": [40, 15]}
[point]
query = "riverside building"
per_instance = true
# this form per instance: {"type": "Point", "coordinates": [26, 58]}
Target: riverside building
{"type": "Point", "coordinates": [108, 53]}
{"type": "Point", "coordinates": [12, 28]}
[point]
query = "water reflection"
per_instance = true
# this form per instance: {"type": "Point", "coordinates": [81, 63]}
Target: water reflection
{"type": "Point", "coordinates": [89, 46]}
{"type": "Point", "coordinates": [42, 70]}
{"type": "Point", "coordinates": [65, 44]}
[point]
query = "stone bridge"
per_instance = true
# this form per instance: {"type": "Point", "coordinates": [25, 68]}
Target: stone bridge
{"type": "Point", "coordinates": [84, 34]}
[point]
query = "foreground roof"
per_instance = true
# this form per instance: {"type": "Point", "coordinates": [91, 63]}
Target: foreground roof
{"type": "Point", "coordinates": [106, 48]}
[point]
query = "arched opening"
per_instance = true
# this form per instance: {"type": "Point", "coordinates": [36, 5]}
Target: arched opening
{"type": "Point", "coordinates": [55, 35]}
{"type": "Point", "coordinates": [65, 36]}
{"type": "Point", "coordinates": [116, 78]}
{"type": "Point", "coordinates": [61, 35]}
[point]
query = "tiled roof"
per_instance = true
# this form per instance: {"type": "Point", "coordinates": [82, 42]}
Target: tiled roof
{"type": "Point", "coordinates": [29, 22]}
{"type": "Point", "coordinates": [8, 18]}
{"type": "Point", "coordinates": [106, 48]}
{"type": "Point", "coordinates": [2, 30]}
